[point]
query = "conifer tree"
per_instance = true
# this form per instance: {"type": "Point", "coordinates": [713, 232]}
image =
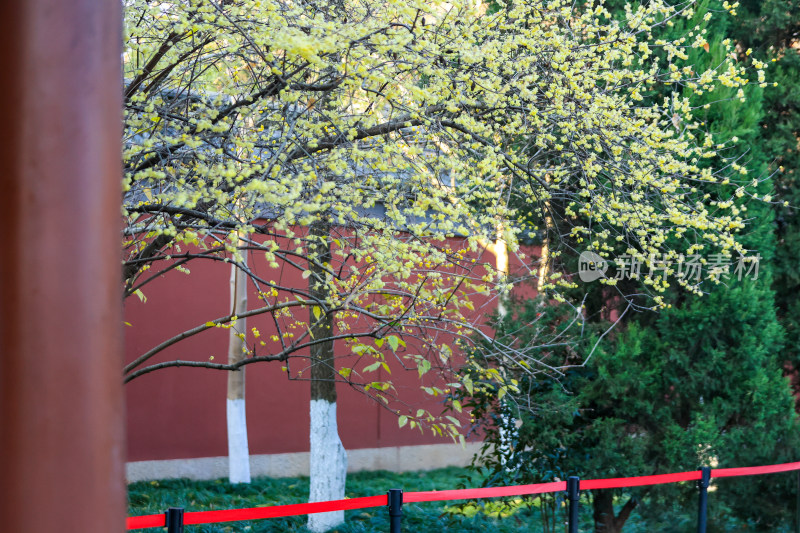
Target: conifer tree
{"type": "Point", "coordinates": [698, 383]}
{"type": "Point", "coordinates": [770, 29]}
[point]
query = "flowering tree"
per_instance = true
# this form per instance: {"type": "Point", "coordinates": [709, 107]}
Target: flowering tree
{"type": "Point", "coordinates": [378, 147]}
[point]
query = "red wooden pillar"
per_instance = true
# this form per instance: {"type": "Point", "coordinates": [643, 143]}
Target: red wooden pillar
{"type": "Point", "coordinates": [61, 417]}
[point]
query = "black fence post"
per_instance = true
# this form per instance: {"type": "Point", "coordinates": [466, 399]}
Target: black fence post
{"type": "Point", "coordinates": [705, 476]}
{"type": "Point", "coordinates": [573, 494]}
{"type": "Point", "coordinates": [175, 520]}
{"type": "Point", "coordinates": [395, 497]}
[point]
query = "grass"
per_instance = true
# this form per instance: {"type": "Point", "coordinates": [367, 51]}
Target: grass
{"type": "Point", "coordinates": [434, 517]}
{"type": "Point", "coordinates": [486, 516]}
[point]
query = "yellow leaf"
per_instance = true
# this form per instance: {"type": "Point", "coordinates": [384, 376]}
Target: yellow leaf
{"type": "Point", "coordinates": [374, 366]}
{"type": "Point", "coordinates": [468, 384]}
{"type": "Point", "coordinates": [394, 342]}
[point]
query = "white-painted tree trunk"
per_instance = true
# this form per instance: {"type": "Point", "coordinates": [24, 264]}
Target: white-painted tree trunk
{"type": "Point", "coordinates": [238, 451]}
{"type": "Point", "coordinates": [328, 459]}
{"type": "Point", "coordinates": [508, 430]}
{"type": "Point", "coordinates": [328, 465]}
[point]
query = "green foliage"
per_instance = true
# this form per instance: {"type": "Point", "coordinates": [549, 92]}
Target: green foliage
{"type": "Point", "coordinates": [521, 515]}
{"type": "Point", "coordinates": [699, 383]}
{"type": "Point", "coordinates": [433, 517]}
{"type": "Point", "coordinates": [770, 29]}
{"type": "Point", "coordinates": [780, 132]}
{"type": "Point", "coordinates": [699, 386]}
{"type": "Point", "coordinates": [768, 25]}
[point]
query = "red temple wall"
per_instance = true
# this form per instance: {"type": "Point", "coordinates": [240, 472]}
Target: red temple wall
{"type": "Point", "coordinates": [180, 412]}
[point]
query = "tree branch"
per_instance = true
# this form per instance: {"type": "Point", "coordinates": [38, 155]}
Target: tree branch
{"type": "Point", "coordinates": [208, 325]}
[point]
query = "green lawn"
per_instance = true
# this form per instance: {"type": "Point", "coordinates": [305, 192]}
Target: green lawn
{"type": "Point", "coordinates": [522, 515]}
{"type": "Point", "coordinates": [157, 496]}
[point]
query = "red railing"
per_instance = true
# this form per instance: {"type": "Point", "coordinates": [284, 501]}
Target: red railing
{"type": "Point", "coordinates": [257, 513]}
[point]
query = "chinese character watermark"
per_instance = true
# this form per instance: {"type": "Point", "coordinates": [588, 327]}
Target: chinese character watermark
{"type": "Point", "coordinates": [591, 266]}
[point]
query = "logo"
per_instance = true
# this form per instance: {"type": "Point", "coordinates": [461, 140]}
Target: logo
{"type": "Point", "coordinates": [591, 266]}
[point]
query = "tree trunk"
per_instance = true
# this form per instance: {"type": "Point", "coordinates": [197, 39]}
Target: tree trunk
{"type": "Point", "coordinates": [605, 520]}
{"type": "Point", "coordinates": [238, 452]}
{"type": "Point", "coordinates": [508, 431]}
{"type": "Point", "coordinates": [328, 459]}
{"type": "Point", "coordinates": [544, 260]}
{"type": "Point", "coordinates": [500, 250]}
